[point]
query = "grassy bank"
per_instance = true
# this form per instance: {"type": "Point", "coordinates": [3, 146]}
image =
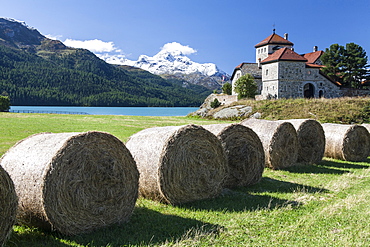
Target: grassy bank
{"type": "Point", "coordinates": [339, 110]}
{"type": "Point", "coordinates": [326, 204]}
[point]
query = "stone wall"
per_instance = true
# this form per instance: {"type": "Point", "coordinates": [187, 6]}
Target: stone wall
{"type": "Point", "coordinates": [225, 99]}
{"type": "Point", "coordinates": [350, 92]}
{"type": "Point", "coordinates": [248, 68]}
{"type": "Point", "coordinates": [289, 79]}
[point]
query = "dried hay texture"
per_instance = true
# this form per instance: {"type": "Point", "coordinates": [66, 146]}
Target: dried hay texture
{"type": "Point", "coordinates": [178, 164]}
{"type": "Point", "coordinates": [346, 142]}
{"type": "Point", "coordinates": [8, 206]}
{"type": "Point", "coordinates": [72, 182]}
{"type": "Point", "coordinates": [244, 151]}
{"type": "Point", "coordinates": [279, 140]}
{"type": "Point", "coordinates": [311, 140]}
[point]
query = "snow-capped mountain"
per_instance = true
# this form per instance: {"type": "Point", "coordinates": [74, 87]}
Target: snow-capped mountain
{"type": "Point", "coordinates": [18, 34]}
{"type": "Point", "coordinates": [167, 62]}
{"type": "Point", "coordinates": [175, 62]}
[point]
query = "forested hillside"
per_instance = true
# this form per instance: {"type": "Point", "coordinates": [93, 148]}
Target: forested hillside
{"type": "Point", "coordinates": [52, 74]}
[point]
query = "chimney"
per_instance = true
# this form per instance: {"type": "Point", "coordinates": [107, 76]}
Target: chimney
{"type": "Point", "coordinates": [286, 36]}
{"type": "Point", "coordinates": [315, 48]}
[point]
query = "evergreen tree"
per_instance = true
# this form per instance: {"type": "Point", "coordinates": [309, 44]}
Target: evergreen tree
{"type": "Point", "coordinates": [347, 65]}
{"type": "Point", "coordinates": [227, 88]}
{"type": "Point", "coordinates": [333, 59]}
{"type": "Point", "coordinates": [246, 87]}
{"type": "Point", "coordinates": [355, 65]}
{"type": "Point", "coordinates": [4, 103]}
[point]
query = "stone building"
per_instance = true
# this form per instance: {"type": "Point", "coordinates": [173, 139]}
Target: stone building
{"type": "Point", "coordinates": [280, 72]}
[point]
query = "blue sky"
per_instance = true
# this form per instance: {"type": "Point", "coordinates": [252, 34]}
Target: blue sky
{"type": "Point", "coordinates": [221, 32]}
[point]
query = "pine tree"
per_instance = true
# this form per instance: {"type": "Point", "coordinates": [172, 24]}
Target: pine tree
{"type": "Point", "coordinates": [347, 65]}
{"type": "Point", "coordinates": [355, 65]}
{"type": "Point", "coordinates": [333, 59]}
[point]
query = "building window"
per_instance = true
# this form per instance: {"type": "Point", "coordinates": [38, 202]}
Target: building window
{"type": "Point", "coordinates": [267, 71]}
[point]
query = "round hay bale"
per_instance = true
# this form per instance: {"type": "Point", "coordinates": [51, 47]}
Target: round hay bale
{"type": "Point", "coordinates": [8, 205]}
{"type": "Point", "coordinates": [244, 151]}
{"type": "Point", "coordinates": [178, 164]}
{"type": "Point", "coordinates": [346, 142]}
{"type": "Point", "coordinates": [72, 182]}
{"type": "Point", "coordinates": [311, 140]}
{"type": "Point", "coordinates": [367, 126]}
{"type": "Point", "coordinates": [279, 140]}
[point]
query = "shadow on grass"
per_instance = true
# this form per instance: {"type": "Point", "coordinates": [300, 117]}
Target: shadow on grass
{"type": "Point", "coordinates": [328, 166]}
{"type": "Point", "coordinates": [344, 164]}
{"type": "Point", "coordinates": [319, 168]}
{"type": "Point", "coordinates": [240, 202]}
{"type": "Point", "coordinates": [146, 227]}
{"type": "Point", "coordinates": [273, 185]}
{"type": "Point", "coordinates": [241, 199]}
{"type": "Point", "coordinates": [33, 237]}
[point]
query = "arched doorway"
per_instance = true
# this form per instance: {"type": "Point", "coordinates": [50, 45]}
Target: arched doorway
{"type": "Point", "coordinates": [321, 94]}
{"type": "Point", "coordinates": [309, 90]}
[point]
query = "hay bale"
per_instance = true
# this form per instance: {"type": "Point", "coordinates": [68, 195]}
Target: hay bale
{"type": "Point", "coordinates": [367, 126]}
{"type": "Point", "coordinates": [346, 142]}
{"type": "Point", "coordinates": [244, 151]}
{"type": "Point", "coordinates": [178, 164]}
{"type": "Point", "coordinates": [279, 140]}
{"type": "Point", "coordinates": [72, 182]}
{"type": "Point", "coordinates": [311, 140]}
{"type": "Point", "coordinates": [8, 206]}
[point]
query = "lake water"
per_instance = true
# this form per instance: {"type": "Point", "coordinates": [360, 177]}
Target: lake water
{"type": "Point", "coordinates": [131, 111]}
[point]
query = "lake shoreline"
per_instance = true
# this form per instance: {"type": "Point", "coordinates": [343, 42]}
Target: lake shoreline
{"type": "Point", "coordinates": [101, 110]}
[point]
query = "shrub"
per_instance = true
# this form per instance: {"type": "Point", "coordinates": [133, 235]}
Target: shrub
{"type": "Point", "coordinates": [4, 103]}
{"type": "Point", "coordinates": [215, 103]}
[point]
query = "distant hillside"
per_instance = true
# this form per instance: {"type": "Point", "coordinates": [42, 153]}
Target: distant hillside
{"type": "Point", "coordinates": [35, 70]}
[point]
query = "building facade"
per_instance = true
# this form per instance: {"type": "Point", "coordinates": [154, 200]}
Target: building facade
{"type": "Point", "coordinates": [280, 72]}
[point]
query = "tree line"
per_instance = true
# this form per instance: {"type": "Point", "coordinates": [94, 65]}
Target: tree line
{"type": "Point", "coordinates": [78, 77]}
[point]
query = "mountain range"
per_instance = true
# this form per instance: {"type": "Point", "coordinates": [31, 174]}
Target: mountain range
{"type": "Point", "coordinates": [175, 64]}
{"type": "Point", "coordinates": [35, 70]}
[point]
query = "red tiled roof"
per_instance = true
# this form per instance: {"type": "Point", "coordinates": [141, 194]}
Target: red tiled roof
{"type": "Point", "coordinates": [274, 39]}
{"type": "Point", "coordinates": [365, 83]}
{"type": "Point", "coordinates": [239, 66]}
{"type": "Point", "coordinates": [313, 56]}
{"type": "Point", "coordinates": [312, 65]}
{"type": "Point", "coordinates": [284, 54]}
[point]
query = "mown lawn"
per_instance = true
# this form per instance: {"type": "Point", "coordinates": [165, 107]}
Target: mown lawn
{"type": "Point", "coordinates": [326, 204]}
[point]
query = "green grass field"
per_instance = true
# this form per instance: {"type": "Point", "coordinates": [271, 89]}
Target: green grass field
{"type": "Point", "coordinates": [326, 204]}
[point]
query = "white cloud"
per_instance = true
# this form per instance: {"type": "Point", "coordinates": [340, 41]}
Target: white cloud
{"type": "Point", "coordinates": [95, 45]}
{"type": "Point", "coordinates": [175, 47]}
{"type": "Point", "coordinates": [54, 37]}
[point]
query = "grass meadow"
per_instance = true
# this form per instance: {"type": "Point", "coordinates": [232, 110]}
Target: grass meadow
{"type": "Point", "coordinates": [325, 204]}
